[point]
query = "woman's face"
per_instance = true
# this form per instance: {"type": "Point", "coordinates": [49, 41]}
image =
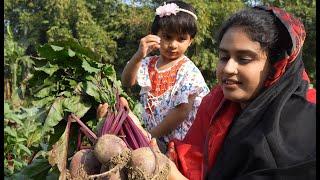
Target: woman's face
{"type": "Point", "coordinates": [243, 66]}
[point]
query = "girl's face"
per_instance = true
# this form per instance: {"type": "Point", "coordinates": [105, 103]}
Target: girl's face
{"type": "Point", "coordinates": [243, 66]}
{"type": "Point", "coordinates": [172, 45]}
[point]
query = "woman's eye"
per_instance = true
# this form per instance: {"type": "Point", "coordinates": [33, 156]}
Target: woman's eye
{"type": "Point", "coordinates": [223, 58]}
{"type": "Point", "coordinates": [245, 60]}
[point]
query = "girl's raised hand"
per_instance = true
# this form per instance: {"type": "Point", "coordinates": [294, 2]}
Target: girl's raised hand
{"type": "Point", "coordinates": [148, 44]}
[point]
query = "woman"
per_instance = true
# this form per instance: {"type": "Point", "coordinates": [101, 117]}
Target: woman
{"type": "Point", "coordinates": [260, 121]}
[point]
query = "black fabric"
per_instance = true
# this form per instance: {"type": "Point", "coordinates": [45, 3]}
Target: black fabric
{"type": "Point", "coordinates": [275, 135]}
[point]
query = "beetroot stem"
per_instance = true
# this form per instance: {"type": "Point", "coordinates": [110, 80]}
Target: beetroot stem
{"type": "Point", "coordinates": [86, 129]}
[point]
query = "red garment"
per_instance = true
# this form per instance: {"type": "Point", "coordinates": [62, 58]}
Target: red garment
{"type": "Point", "coordinates": [205, 137]}
{"type": "Point", "coordinates": [161, 81]}
{"type": "Point", "coordinates": [197, 153]}
{"type": "Point", "coordinates": [205, 133]}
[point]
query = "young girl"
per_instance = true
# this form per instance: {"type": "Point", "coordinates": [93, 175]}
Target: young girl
{"type": "Point", "coordinates": [259, 122]}
{"type": "Point", "coordinates": [171, 85]}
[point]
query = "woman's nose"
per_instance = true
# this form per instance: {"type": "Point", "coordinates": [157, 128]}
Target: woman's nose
{"type": "Point", "coordinates": [231, 67]}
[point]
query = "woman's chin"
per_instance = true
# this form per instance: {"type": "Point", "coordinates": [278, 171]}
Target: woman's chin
{"type": "Point", "coordinates": [234, 96]}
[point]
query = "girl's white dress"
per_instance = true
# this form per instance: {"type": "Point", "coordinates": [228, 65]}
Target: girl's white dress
{"type": "Point", "coordinates": [165, 89]}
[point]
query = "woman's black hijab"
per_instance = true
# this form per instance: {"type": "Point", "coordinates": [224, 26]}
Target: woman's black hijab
{"type": "Point", "coordinates": [274, 137]}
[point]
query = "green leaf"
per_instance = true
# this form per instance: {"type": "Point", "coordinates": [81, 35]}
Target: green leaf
{"type": "Point", "coordinates": [55, 114]}
{"type": "Point", "coordinates": [10, 131]}
{"type": "Point", "coordinates": [56, 48]}
{"type": "Point", "coordinates": [65, 93]}
{"type": "Point", "coordinates": [48, 68]}
{"type": "Point", "coordinates": [86, 66]}
{"type": "Point", "coordinates": [92, 90]}
{"type": "Point", "coordinates": [45, 91]}
{"type": "Point", "coordinates": [44, 101]}
{"type": "Point", "coordinates": [6, 107]}
{"type": "Point", "coordinates": [76, 105]}
{"type": "Point", "coordinates": [37, 169]}
{"type": "Point", "coordinates": [24, 148]}
{"type": "Point", "coordinates": [71, 53]}
{"type": "Point", "coordinates": [20, 140]}
{"type": "Point", "coordinates": [48, 52]}
{"type": "Point", "coordinates": [34, 138]}
{"type": "Point", "coordinates": [108, 70]}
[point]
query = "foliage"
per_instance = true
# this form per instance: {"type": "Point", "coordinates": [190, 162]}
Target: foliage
{"type": "Point", "coordinates": [204, 50]}
{"type": "Point", "coordinates": [67, 78]}
{"type": "Point", "coordinates": [17, 69]}
{"type": "Point", "coordinates": [63, 56]}
{"type": "Point", "coordinates": [22, 136]}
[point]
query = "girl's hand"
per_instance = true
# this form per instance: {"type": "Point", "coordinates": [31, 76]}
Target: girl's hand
{"type": "Point", "coordinates": [148, 44]}
{"type": "Point", "coordinates": [102, 110]}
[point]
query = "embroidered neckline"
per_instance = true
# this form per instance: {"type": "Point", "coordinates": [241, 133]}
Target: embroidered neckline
{"type": "Point", "coordinates": [169, 68]}
{"type": "Point", "coordinates": [162, 81]}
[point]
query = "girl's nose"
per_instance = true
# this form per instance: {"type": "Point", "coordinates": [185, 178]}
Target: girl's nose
{"type": "Point", "coordinates": [173, 44]}
{"type": "Point", "coordinates": [231, 67]}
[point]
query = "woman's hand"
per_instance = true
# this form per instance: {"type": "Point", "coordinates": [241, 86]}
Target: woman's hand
{"type": "Point", "coordinates": [102, 110]}
{"type": "Point", "coordinates": [174, 172]}
{"type": "Point", "coordinates": [148, 44]}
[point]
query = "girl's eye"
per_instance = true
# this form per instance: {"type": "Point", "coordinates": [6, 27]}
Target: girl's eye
{"type": "Point", "coordinates": [182, 38]}
{"type": "Point", "coordinates": [167, 37]}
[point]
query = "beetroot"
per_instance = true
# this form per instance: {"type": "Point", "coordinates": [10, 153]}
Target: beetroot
{"type": "Point", "coordinates": [84, 163]}
{"type": "Point", "coordinates": [108, 146]}
{"type": "Point", "coordinates": [144, 159]}
{"type": "Point", "coordinates": [148, 164]}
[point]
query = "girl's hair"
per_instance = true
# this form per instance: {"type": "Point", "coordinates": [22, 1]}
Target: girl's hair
{"type": "Point", "coordinates": [264, 27]}
{"type": "Point", "coordinates": [181, 23]}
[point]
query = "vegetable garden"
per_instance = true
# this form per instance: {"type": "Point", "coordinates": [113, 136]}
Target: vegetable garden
{"type": "Point", "coordinates": [62, 59]}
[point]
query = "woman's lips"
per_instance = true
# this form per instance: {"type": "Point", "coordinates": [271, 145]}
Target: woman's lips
{"type": "Point", "coordinates": [230, 83]}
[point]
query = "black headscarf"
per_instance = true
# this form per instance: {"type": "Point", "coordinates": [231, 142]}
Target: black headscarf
{"type": "Point", "coordinates": [274, 137]}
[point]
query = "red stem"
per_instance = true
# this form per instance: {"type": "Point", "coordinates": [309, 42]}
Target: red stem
{"type": "Point", "coordinates": [79, 140]}
{"type": "Point", "coordinates": [87, 130]}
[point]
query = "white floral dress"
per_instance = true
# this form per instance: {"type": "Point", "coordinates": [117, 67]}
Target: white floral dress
{"type": "Point", "coordinates": [165, 89]}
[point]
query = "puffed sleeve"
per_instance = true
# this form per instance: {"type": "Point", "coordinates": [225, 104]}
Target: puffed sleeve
{"type": "Point", "coordinates": [143, 79]}
{"type": "Point", "coordinates": [189, 81]}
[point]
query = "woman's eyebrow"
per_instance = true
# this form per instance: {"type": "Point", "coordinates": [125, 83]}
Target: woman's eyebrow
{"type": "Point", "coordinates": [222, 50]}
{"type": "Point", "coordinates": [248, 52]}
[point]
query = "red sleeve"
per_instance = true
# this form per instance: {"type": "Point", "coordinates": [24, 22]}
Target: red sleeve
{"type": "Point", "coordinates": [311, 95]}
{"type": "Point", "coordinates": [189, 152]}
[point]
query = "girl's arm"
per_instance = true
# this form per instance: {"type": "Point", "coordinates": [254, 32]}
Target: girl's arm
{"type": "Point", "coordinates": [174, 118]}
{"type": "Point", "coordinates": [147, 44]}
{"type": "Point", "coordinates": [129, 73]}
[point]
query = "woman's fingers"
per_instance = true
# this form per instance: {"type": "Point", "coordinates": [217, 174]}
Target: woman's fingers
{"type": "Point", "coordinates": [154, 146]}
{"type": "Point", "coordinates": [102, 110]}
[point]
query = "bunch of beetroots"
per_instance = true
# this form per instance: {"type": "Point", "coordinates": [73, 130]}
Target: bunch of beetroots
{"type": "Point", "coordinates": [120, 151]}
